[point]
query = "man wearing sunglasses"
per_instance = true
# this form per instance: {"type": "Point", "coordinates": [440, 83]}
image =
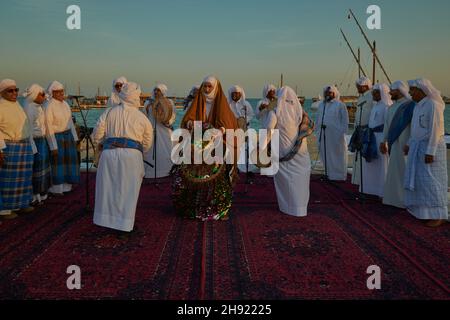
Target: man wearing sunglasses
{"type": "Point", "coordinates": [16, 154]}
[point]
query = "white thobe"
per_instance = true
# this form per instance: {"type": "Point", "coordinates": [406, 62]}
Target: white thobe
{"type": "Point", "coordinates": [162, 148]}
{"type": "Point", "coordinates": [393, 188]}
{"type": "Point", "coordinates": [121, 170]}
{"type": "Point", "coordinates": [365, 102]}
{"type": "Point", "coordinates": [293, 176]}
{"type": "Point", "coordinates": [427, 198]}
{"type": "Point", "coordinates": [335, 118]}
{"type": "Point", "coordinates": [374, 172]}
{"type": "Point", "coordinates": [59, 119]}
{"type": "Point", "coordinates": [242, 110]}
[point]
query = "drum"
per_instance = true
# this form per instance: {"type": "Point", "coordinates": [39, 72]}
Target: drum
{"type": "Point", "coordinates": [162, 110]}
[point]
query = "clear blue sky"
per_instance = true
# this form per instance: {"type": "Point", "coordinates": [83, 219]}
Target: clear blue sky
{"type": "Point", "coordinates": [246, 42]}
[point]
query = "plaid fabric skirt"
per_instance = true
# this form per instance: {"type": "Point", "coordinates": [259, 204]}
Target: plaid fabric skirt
{"type": "Point", "coordinates": [15, 175]}
{"type": "Point", "coordinates": [66, 168]}
{"type": "Point", "coordinates": [41, 167]}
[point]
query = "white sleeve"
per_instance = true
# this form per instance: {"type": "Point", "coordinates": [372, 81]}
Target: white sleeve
{"type": "Point", "coordinates": [250, 112]}
{"type": "Point", "coordinates": [51, 139]}
{"type": "Point", "coordinates": [436, 125]}
{"type": "Point", "coordinates": [147, 140]}
{"type": "Point", "coordinates": [98, 134]}
{"type": "Point", "coordinates": [344, 118]}
{"type": "Point", "coordinates": [174, 113]}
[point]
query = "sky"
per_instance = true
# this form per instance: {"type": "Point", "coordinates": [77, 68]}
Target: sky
{"type": "Point", "coordinates": [245, 42]}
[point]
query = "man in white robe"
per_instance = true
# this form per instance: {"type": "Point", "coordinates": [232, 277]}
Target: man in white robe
{"type": "Point", "coordinates": [262, 108]}
{"type": "Point", "coordinates": [244, 113]}
{"type": "Point", "coordinates": [293, 176]}
{"type": "Point", "coordinates": [62, 138]}
{"type": "Point", "coordinates": [397, 130]}
{"type": "Point", "coordinates": [375, 163]}
{"type": "Point", "coordinates": [159, 154]}
{"type": "Point", "coordinates": [117, 85]}
{"type": "Point", "coordinates": [426, 169]}
{"type": "Point", "coordinates": [125, 134]}
{"type": "Point", "coordinates": [331, 127]}
{"type": "Point", "coordinates": [364, 107]}
{"type": "Point", "coordinates": [34, 98]}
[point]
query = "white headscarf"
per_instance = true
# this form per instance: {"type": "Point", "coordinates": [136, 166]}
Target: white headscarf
{"type": "Point", "coordinates": [32, 92]}
{"type": "Point", "coordinates": [162, 87]}
{"type": "Point", "coordinates": [115, 99]}
{"type": "Point", "coordinates": [364, 81]}
{"type": "Point", "coordinates": [7, 83]}
{"type": "Point", "coordinates": [427, 87]}
{"type": "Point", "coordinates": [212, 95]}
{"type": "Point", "coordinates": [337, 94]}
{"type": "Point", "coordinates": [402, 87]}
{"type": "Point", "coordinates": [267, 88]}
{"type": "Point", "coordinates": [130, 94]}
{"type": "Point", "coordinates": [412, 83]}
{"type": "Point", "coordinates": [384, 91]}
{"type": "Point", "coordinates": [289, 109]}
{"type": "Point", "coordinates": [236, 89]}
{"type": "Point", "coordinates": [196, 87]}
{"type": "Point", "coordinates": [54, 86]}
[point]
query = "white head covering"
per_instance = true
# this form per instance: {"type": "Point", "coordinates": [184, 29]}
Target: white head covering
{"type": "Point", "coordinates": [6, 83]}
{"type": "Point", "coordinates": [412, 83]}
{"type": "Point", "coordinates": [236, 89]}
{"type": "Point", "coordinates": [115, 99]}
{"type": "Point", "coordinates": [267, 88]}
{"type": "Point", "coordinates": [32, 92]}
{"type": "Point", "coordinates": [54, 86]}
{"type": "Point", "coordinates": [427, 87]}
{"type": "Point", "coordinates": [384, 91]}
{"type": "Point", "coordinates": [196, 87]}
{"type": "Point", "coordinates": [402, 87]}
{"type": "Point", "coordinates": [289, 109]}
{"type": "Point", "coordinates": [337, 94]}
{"type": "Point", "coordinates": [162, 87]}
{"type": "Point", "coordinates": [130, 94]}
{"type": "Point", "coordinates": [213, 80]}
{"type": "Point", "coordinates": [364, 81]}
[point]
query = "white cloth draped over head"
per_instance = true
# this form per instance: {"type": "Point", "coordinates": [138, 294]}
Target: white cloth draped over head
{"type": "Point", "coordinates": [130, 94]}
{"type": "Point", "coordinates": [162, 87]}
{"type": "Point", "coordinates": [267, 88]}
{"type": "Point", "coordinates": [364, 81]}
{"type": "Point", "coordinates": [412, 83]}
{"type": "Point", "coordinates": [196, 87]}
{"type": "Point", "coordinates": [213, 81]}
{"type": "Point", "coordinates": [7, 83]}
{"type": "Point", "coordinates": [289, 109]}
{"type": "Point", "coordinates": [337, 94]}
{"type": "Point", "coordinates": [236, 89]}
{"type": "Point", "coordinates": [115, 99]}
{"type": "Point", "coordinates": [432, 93]}
{"type": "Point", "coordinates": [402, 87]}
{"type": "Point", "coordinates": [384, 92]}
{"type": "Point", "coordinates": [32, 92]}
{"type": "Point", "coordinates": [54, 86]}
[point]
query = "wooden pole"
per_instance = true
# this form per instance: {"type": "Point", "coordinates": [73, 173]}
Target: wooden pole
{"type": "Point", "coordinates": [357, 59]}
{"type": "Point", "coordinates": [359, 62]}
{"type": "Point", "coordinates": [371, 47]}
{"type": "Point", "coordinates": [374, 62]}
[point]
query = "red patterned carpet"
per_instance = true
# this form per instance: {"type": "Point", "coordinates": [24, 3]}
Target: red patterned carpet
{"type": "Point", "coordinates": [259, 253]}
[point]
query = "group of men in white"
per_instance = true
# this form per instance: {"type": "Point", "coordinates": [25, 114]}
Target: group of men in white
{"type": "Point", "coordinates": [400, 152]}
{"type": "Point", "coordinates": [398, 144]}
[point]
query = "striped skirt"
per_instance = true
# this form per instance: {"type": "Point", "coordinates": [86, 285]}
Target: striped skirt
{"type": "Point", "coordinates": [15, 175]}
{"type": "Point", "coordinates": [65, 168]}
{"type": "Point", "coordinates": [41, 167]}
